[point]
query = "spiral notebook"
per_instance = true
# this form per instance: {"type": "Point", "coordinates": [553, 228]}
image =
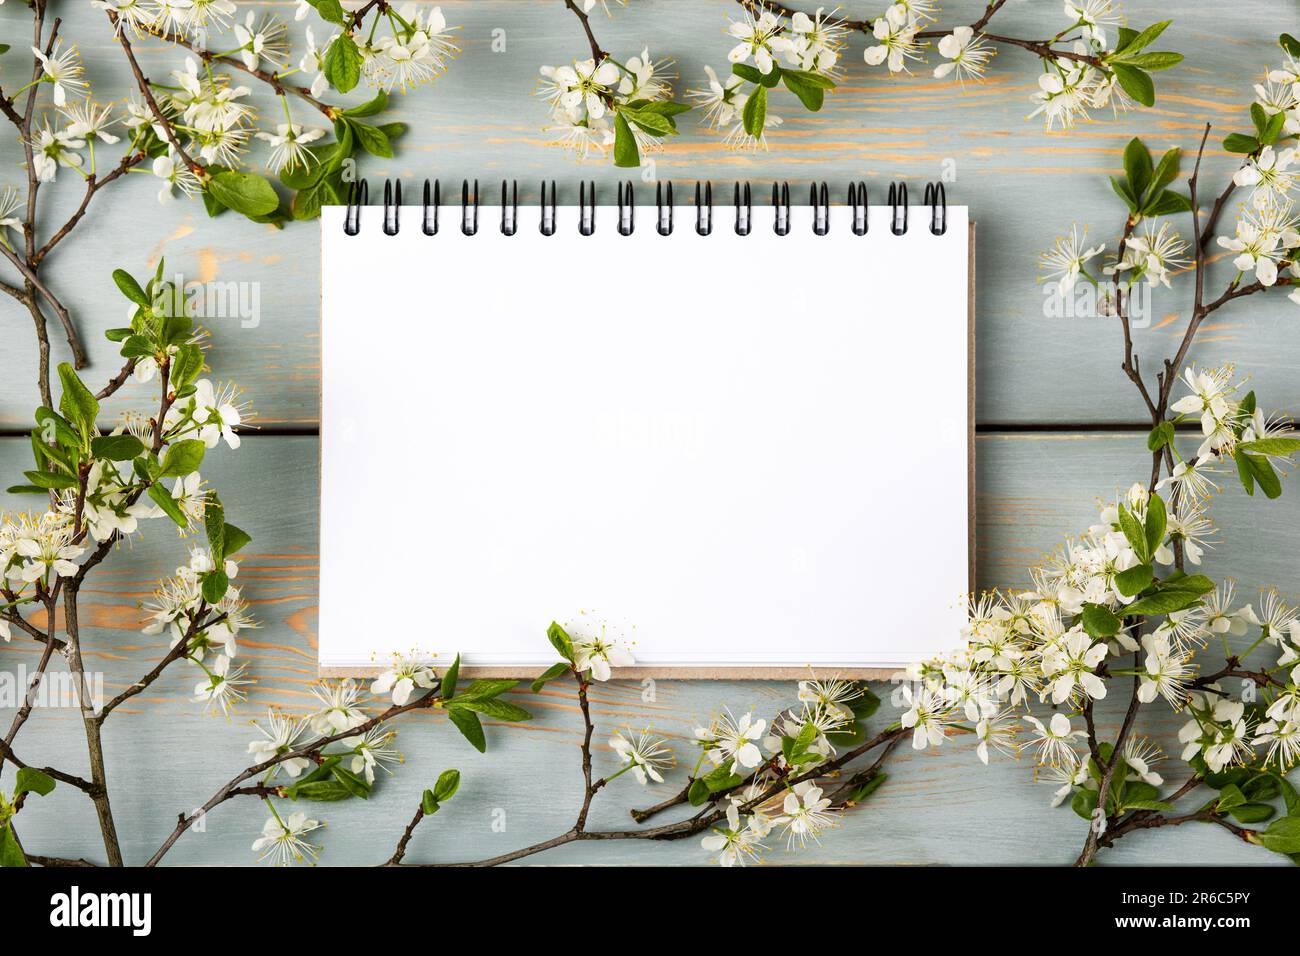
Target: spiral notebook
{"type": "Point", "coordinates": [734, 433]}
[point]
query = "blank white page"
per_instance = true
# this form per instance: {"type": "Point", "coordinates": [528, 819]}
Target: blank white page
{"type": "Point", "coordinates": [731, 451]}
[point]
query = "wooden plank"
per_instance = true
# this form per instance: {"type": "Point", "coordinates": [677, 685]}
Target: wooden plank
{"type": "Point", "coordinates": [1024, 185]}
{"type": "Point", "coordinates": [937, 807]}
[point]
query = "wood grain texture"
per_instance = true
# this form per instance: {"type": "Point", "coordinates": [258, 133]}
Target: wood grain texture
{"type": "Point", "coordinates": [940, 807]}
{"type": "Point", "coordinates": [1025, 186]}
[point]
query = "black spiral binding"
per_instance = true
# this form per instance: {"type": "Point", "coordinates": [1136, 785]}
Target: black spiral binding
{"type": "Point", "coordinates": [586, 213]}
{"type": "Point", "coordinates": [745, 223]}
{"type": "Point", "coordinates": [626, 209]}
{"type": "Point", "coordinates": [509, 214]}
{"type": "Point", "coordinates": [781, 202]}
{"type": "Point", "coordinates": [664, 221]}
{"type": "Point", "coordinates": [392, 210]}
{"type": "Point", "coordinates": [468, 224]}
{"type": "Point", "coordinates": [818, 199]}
{"type": "Point", "coordinates": [821, 206]}
{"type": "Point", "coordinates": [704, 210]}
{"type": "Point", "coordinates": [432, 200]}
{"type": "Point", "coordinates": [937, 199]}
{"type": "Point", "coordinates": [858, 203]}
{"type": "Point", "coordinates": [547, 225]}
{"type": "Point", "coordinates": [358, 196]}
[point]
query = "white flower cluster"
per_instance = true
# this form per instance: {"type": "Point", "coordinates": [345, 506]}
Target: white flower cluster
{"type": "Point", "coordinates": [798, 742]}
{"type": "Point", "coordinates": [211, 632]}
{"type": "Point", "coordinates": [34, 552]}
{"type": "Point", "coordinates": [1036, 646]}
{"type": "Point", "coordinates": [807, 43]}
{"type": "Point", "coordinates": [1268, 230]}
{"type": "Point", "coordinates": [1070, 87]}
{"type": "Point", "coordinates": [585, 96]}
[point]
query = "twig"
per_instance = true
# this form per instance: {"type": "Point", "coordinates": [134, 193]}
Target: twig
{"type": "Point", "coordinates": [597, 53]}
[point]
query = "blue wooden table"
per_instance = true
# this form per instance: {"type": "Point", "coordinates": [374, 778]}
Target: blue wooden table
{"type": "Point", "coordinates": [1059, 426]}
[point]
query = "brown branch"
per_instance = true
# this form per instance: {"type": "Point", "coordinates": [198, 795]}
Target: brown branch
{"type": "Point", "coordinates": [142, 82]}
{"type": "Point", "coordinates": [232, 788]}
{"type": "Point", "coordinates": [29, 274]}
{"type": "Point", "coordinates": [281, 88]}
{"type": "Point", "coordinates": [58, 861]}
{"type": "Point", "coordinates": [93, 185]}
{"type": "Point", "coordinates": [180, 649]}
{"type": "Point", "coordinates": [94, 742]}
{"type": "Point", "coordinates": [1108, 773]}
{"type": "Point", "coordinates": [597, 53]}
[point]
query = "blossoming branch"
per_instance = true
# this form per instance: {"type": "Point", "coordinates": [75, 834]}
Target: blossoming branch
{"type": "Point", "coordinates": [1083, 67]}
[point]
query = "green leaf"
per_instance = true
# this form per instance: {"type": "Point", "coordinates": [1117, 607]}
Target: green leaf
{"type": "Point", "coordinates": [343, 63]}
{"type": "Point", "coordinates": [1152, 61]}
{"type": "Point", "coordinates": [369, 107]}
{"type": "Point", "coordinates": [698, 795]}
{"type": "Point", "coordinates": [1135, 533]}
{"type": "Point", "coordinates": [31, 780]}
{"type": "Point", "coordinates": [1245, 472]}
{"type": "Point", "coordinates": [626, 153]}
{"type": "Point", "coordinates": [1165, 172]}
{"type": "Point", "coordinates": [78, 405]}
{"type": "Point", "coordinates": [1282, 835]}
{"type": "Point", "coordinates": [355, 784]}
{"type": "Point", "coordinates": [1252, 813]}
{"type": "Point", "coordinates": [1263, 473]}
{"type": "Point", "coordinates": [1160, 436]}
{"type": "Point", "coordinates": [1162, 602]}
{"type": "Point", "coordinates": [552, 672]}
{"type": "Point", "coordinates": [1135, 83]}
{"type": "Point", "coordinates": [245, 193]}
{"type": "Point", "coordinates": [321, 791]}
{"type": "Point", "coordinates": [486, 689]}
{"type": "Point", "coordinates": [1148, 36]}
{"type": "Point", "coordinates": [1289, 795]}
{"type": "Point", "coordinates": [1084, 803]}
{"type": "Point", "coordinates": [865, 704]}
{"type": "Point", "coordinates": [1157, 521]}
{"type": "Point", "coordinates": [330, 10]}
{"type": "Point", "coordinates": [236, 538]}
{"type": "Point", "coordinates": [116, 447]}
{"type": "Point", "coordinates": [130, 288]}
{"type": "Point", "coordinates": [214, 526]}
{"type": "Point", "coordinates": [447, 785]}
{"type": "Point", "coordinates": [50, 479]}
{"type": "Point", "coordinates": [469, 725]}
{"type": "Point", "coordinates": [860, 794]}
{"type": "Point", "coordinates": [560, 641]}
{"type": "Point", "coordinates": [1158, 805]}
{"type": "Point", "coordinates": [1134, 580]}
{"type": "Point", "coordinates": [64, 434]}
{"type": "Point", "coordinates": [1241, 143]}
{"type": "Point", "coordinates": [1137, 166]}
{"type": "Point", "coordinates": [448, 686]}
{"type": "Point", "coordinates": [810, 94]}
{"type": "Point", "coordinates": [499, 709]}
{"type": "Point", "coordinates": [11, 854]}
{"type": "Point", "coordinates": [186, 365]}
{"type": "Point", "coordinates": [1124, 193]}
{"type": "Point", "coordinates": [1230, 796]}
{"type": "Point", "coordinates": [1290, 44]}
{"type": "Point", "coordinates": [372, 139]}
{"type": "Point", "coordinates": [215, 584]}
{"type": "Point", "coordinates": [721, 778]}
{"type": "Point", "coordinates": [1271, 446]}
{"type": "Point", "coordinates": [182, 458]}
{"type": "Point", "coordinates": [754, 114]}
{"type": "Point", "coordinates": [167, 503]}
{"type": "Point", "coordinates": [428, 803]}
{"type": "Point", "coordinates": [1099, 621]}
{"type": "Point", "coordinates": [1169, 203]}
